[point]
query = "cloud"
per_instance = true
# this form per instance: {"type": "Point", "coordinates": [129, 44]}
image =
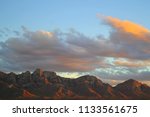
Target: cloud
{"type": "Point", "coordinates": [129, 28]}
{"type": "Point", "coordinates": [126, 40]}
{"type": "Point", "coordinates": [124, 54]}
{"type": "Point", "coordinates": [123, 73]}
{"type": "Point", "coordinates": [48, 50]}
{"type": "Point", "coordinates": [132, 63]}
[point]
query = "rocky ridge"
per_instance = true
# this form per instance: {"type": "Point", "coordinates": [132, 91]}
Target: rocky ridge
{"type": "Point", "coordinates": [48, 85]}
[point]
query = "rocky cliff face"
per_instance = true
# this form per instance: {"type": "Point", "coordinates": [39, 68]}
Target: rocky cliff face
{"type": "Point", "coordinates": [47, 85]}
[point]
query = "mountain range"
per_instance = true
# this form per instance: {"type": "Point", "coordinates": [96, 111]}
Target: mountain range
{"type": "Point", "coordinates": [48, 85]}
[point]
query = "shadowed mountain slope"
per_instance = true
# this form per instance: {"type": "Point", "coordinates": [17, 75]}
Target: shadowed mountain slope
{"type": "Point", "coordinates": [48, 85]}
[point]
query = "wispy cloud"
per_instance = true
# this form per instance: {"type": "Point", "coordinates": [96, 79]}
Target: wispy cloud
{"type": "Point", "coordinates": [132, 63]}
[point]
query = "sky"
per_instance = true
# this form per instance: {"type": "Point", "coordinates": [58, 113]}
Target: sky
{"type": "Point", "coordinates": [106, 38]}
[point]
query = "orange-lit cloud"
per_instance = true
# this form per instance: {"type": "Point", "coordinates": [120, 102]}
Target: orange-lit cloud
{"type": "Point", "coordinates": [128, 27]}
{"type": "Point", "coordinates": [130, 40]}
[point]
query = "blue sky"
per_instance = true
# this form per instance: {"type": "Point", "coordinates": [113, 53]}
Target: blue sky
{"type": "Point", "coordinates": [106, 38]}
{"type": "Point", "coordinates": [66, 14]}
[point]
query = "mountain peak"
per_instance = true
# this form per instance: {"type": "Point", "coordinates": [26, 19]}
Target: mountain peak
{"type": "Point", "coordinates": [2, 74]}
{"type": "Point", "coordinates": [38, 72]}
{"type": "Point", "coordinates": [49, 74]}
{"type": "Point", "coordinates": [132, 82]}
{"type": "Point", "coordinates": [88, 77]}
{"type": "Point", "coordinates": [12, 74]}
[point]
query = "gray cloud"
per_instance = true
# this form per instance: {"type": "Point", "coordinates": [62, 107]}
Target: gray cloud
{"type": "Point", "coordinates": [76, 52]}
{"type": "Point", "coordinates": [123, 73]}
{"type": "Point", "coordinates": [47, 50]}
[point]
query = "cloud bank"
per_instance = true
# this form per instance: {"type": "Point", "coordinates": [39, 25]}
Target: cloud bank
{"type": "Point", "coordinates": [125, 52]}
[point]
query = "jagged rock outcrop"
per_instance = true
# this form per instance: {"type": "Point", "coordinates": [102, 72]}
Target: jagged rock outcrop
{"type": "Point", "coordinates": [48, 85]}
{"type": "Point", "coordinates": [24, 78]}
{"type": "Point", "coordinates": [11, 78]}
